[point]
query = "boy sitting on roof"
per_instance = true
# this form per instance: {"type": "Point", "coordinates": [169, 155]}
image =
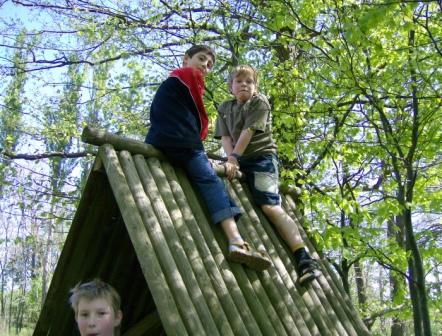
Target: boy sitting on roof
{"type": "Point", "coordinates": [178, 126]}
{"type": "Point", "coordinates": [244, 125]}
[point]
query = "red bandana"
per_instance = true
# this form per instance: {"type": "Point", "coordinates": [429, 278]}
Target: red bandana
{"type": "Point", "coordinates": [194, 81]}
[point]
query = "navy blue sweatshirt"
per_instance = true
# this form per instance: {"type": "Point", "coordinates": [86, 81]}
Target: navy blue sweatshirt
{"type": "Point", "coordinates": [174, 117]}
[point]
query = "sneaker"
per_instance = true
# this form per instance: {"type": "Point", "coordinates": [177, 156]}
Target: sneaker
{"type": "Point", "coordinates": [307, 270]}
{"type": "Point", "coordinates": [244, 254]}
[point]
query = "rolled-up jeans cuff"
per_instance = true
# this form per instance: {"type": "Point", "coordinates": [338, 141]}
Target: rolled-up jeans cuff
{"type": "Point", "coordinates": [219, 216]}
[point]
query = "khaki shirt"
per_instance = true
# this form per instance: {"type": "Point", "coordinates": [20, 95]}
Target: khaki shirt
{"type": "Point", "coordinates": [255, 114]}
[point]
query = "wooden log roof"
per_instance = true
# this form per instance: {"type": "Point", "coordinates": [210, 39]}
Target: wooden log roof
{"type": "Point", "coordinates": [141, 227]}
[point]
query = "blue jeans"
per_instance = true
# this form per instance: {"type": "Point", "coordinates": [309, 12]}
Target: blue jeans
{"type": "Point", "coordinates": [204, 179]}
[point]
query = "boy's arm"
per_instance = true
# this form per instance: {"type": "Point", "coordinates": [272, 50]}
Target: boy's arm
{"type": "Point", "coordinates": [226, 142]}
{"type": "Point", "coordinates": [232, 164]}
{"type": "Point", "coordinates": [243, 141]}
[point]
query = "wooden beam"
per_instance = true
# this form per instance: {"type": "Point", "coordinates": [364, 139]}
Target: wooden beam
{"type": "Point", "coordinates": [142, 242]}
{"type": "Point", "coordinates": [147, 326]}
{"type": "Point", "coordinates": [98, 137]}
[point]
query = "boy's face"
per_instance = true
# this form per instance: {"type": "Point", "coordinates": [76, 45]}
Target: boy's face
{"type": "Point", "coordinates": [202, 61]}
{"type": "Point", "coordinates": [243, 87]}
{"type": "Point", "coordinates": [96, 317]}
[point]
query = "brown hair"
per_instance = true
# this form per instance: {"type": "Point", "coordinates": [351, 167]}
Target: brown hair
{"type": "Point", "coordinates": [242, 69]}
{"type": "Point", "coordinates": [198, 48]}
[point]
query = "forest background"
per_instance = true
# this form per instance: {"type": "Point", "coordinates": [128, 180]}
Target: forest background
{"type": "Point", "coordinates": [355, 87]}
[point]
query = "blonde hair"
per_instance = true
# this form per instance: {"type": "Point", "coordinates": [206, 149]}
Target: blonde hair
{"type": "Point", "coordinates": [93, 290]}
{"type": "Point", "coordinates": [242, 69]}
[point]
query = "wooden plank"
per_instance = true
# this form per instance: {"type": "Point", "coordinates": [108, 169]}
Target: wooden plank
{"type": "Point", "coordinates": [331, 309]}
{"type": "Point", "coordinates": [329, 305]}
{"type": "Point", "coordinates": [161, 246]}
{"type": "Point", "coordinates": [333, 287]}
{"type": "Point", "coordinates": [285, 277]}
{"type": "Point", "coordinates": [98, 137]}
{"type": "Point", "coordinates": [234, 275]}
{"type": "Point", "coordinates": [283, 263]}
{"type": "Point", "coordinates": [142, 243]}
{"type": "Point", "coordinates": [324, 319]}
{"type": "Point", "coordinates": [227, 277]}
{"type": "Point", "coordinates": [254, 295]}
{"type": "Point", "coordinates": [271, 280]}
{"type": "Point", "coordinates": [149, 326]}
{"type": "Point", "coordinates": [157, 190]}
{"type": "Point", "coordinates": [282, 323]}
{"type": "Point", "coordinates": [189, 247]}
{"type": "Point", "coordinates": [224, 302]}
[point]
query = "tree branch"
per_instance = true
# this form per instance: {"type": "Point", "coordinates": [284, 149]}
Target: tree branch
{"type": "Point", "coordinates": [31, 157]}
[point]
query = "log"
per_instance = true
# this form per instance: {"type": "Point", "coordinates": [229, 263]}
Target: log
{"type": "Point", "coordinates": [195, 228]}
{"type": "Point", "coordinates": [98, 137]}
{"type": "Point", "coordinates": [184, 250]}
{"type": "Point", "coordinates": [142, 242]}
{"type": "Point", "coordinates": [285, 305]}
{"type": "Point", "coordinates": [147, 326]}
{"type": "Point", "coordinates": [146, 193]}
{"type": "Point", "coordinates": [331, 285]}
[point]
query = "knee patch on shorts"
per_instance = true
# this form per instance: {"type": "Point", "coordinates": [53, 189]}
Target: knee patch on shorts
{"type": "Point", "coordinates": [266, 182]}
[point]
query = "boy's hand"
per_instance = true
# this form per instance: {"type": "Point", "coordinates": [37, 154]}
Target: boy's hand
{"type": "Point", "coordinates": [231, 167]}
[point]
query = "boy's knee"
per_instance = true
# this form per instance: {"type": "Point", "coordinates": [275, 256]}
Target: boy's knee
{"type": "Point", "coordinates": [269, 208]}
{"type": "Point", "coordinates": [273, 210]}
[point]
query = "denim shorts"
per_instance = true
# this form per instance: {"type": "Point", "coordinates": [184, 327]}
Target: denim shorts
{"type": "Point", "coordinates": [202, 176]}
{"type": "Point", "coordinates": [262, 176]}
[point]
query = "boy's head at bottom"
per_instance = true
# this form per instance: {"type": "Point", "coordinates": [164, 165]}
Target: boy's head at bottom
{"type": "Point", "coordinates": [96, 305]}
{"type": "Point", "coordinates": [200, 57]}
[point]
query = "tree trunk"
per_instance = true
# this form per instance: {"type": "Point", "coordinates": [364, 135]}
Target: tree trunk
{"type": "Point", "coordinates": [11, 297]}
{"type": "Point", "coordinates": [45, 263]}
{"type": "Point", "coordinates": [417, 281]}
{"type": "Point", "coordinates": [396, 231]}
{"type": "Point", "coordinates": [344, 274]}
{"type": "Point", "coordinates": [3, 275]}
{"type": "Point", "coordinates": [361, 290]}
{"type": "Point", "coordinates": [414, 294]}
{"type": "Point", "coordinates": [344, 263]}
{"type": "Point", "coordinates": [417, 273]}
{"type": "Point", "coordinates": [20, 311]}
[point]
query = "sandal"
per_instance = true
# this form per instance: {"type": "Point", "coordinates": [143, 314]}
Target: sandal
{"type": "Point", "coordinates": [244, 254]}
{"type": "Point", "coordinates": [308, 270]}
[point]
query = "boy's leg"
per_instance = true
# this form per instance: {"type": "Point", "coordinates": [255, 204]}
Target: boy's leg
{"type": "Point", "coordinates": [210, 187]}
{"type": "Point", "coordinates": [306, 266]}
{"type": "Point", "coordinates": [204, 179]}
{"type": "Point", "coordinates": [222, 210]}
{"type": "Point", "coordinates": [262, 177]}
{"type": "Point", "coordinates": [285, 225]}
{"type": "Point", "coordinates": [240, 251]}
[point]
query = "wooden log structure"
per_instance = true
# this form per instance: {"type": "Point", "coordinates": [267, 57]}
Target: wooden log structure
{"type": "Point", "coordinates": [141, 226]}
